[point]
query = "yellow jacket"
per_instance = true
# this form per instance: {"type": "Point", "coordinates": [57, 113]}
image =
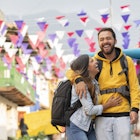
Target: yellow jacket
{"type": "Point", "coordinates": [109, 78]}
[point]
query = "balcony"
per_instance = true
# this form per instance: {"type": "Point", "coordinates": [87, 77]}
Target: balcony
{"type": "Point", "coordinates": [14, 87]}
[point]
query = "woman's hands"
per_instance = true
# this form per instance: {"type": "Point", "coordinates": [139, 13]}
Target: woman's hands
{"type": "Point", "coordinates": [112, 101]}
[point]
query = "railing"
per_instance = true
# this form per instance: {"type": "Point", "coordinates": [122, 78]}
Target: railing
{"type": "Point", "coordinates": [10, 77]}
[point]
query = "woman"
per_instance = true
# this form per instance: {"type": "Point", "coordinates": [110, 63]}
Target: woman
{"type": "Point", "coordinates": [81, 122]}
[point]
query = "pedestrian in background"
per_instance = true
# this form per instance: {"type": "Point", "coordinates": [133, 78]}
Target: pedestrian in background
{"type": "Point", "coordinates": [23, 127]}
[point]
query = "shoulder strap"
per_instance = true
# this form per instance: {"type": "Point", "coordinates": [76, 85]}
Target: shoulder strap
{"type": "Point", "coordinates": [100, 64]}
{"type": "Point", "coordinates": [124, 66]}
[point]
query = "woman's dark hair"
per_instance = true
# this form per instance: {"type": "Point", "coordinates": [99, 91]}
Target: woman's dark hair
{"type": "Point", "coordinates": [107, 29]}
{"type": "Point", "coordinates": [80, 67]}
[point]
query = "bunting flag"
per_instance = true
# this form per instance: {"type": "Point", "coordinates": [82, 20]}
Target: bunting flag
{"type": "Point", "coordinates": [89, 33]}
{"type": "Point", "coordinates": [125, 8]}
{"type": "Point", "coordinates": [84, 20]}
{"type": "Point", "coordinates": [20, 40]}
{"type": "Point", "coordinates": [24, 47]}
{"type": "Point", "coordinates": [64, 22]}
{"type": "Point", "coordinates": [52, 37]}
{"type": "Point", "coordinates": [19, 24]}
{"type": "Point", "coordinates": [11, 52]}
{"type": "Point", "coordinates": [3, 29]}
{"type": "Point", "coordinates": [21, 66]}
{"type": "Point", "coordinates": [125, 17]}
{"type": "Point", "coordinates": [79, 32]}
{"type": "Point", "coordinates": [92, 47]}
{"type": "Point", "coordinates": [7, 59]}
{"type": "Point", "coordinates": [104, 17]}
{"type": "Point", "coordinates": [13, 38]}
{"type": "Point", "coordinates": [127, 27]}
{"type": "Point", "coordinates": [137, 22]}
{"type": "Point", "coordinates": [82, 13]}
{"type": "Point", "coordinates": [71, 41]}
{"type": "Point", "coordinates": [24, 29]}
{"type": "Point", "coordinates": [98, 29]}
{"type": "Point", "coordinates": [43, 53]}
{"type": "Point", "coordinates": [33, 41]}
{"type": "Point", "coordinates": [53, 58]}
{"type": "Point", "coordinates": [25, 58]}
{"type": "Point", "coordinates": [43, 26]}
{"type": "Point", "coordinates": [60, 34]}
{"type": "Point", "coordinates": [7, 46]}
{"type": "Point", "coordinates": [103, 11]}
{"type": "Point", "coordinates": [126, 40]}
{"type": "Point", "coordinates": [2, 40]}
{"type": "Point", "coordinates": [76, 51]}
{"type": "Point", "coordinates": [70, 34]}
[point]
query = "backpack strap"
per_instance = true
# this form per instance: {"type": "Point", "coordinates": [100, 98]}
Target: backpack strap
{"type": "Point", "coordinates": [100, 64]}
{"type": "Point", "coordinates": [124, 66]}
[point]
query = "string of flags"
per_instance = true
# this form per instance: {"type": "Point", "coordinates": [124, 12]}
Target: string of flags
{"type": "Point", "coordinates": [44, 49]}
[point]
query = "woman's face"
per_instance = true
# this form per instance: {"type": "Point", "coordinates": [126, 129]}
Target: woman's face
{"type": "Point", "coordinates": [93, 66]}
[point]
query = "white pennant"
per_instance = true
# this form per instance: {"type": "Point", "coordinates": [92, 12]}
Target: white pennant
{"type": "Point", "coordinates": [89, 33]}
{"type": "Point", "coordinates": [2, 40]}
{"type": "Point", "coordinates": [60, 34]}
{"type": "Point", "coordinates": [33, 38]}
{"type": "Point", "coordinates": [7, 46]}
{"type": "Point", "coordinates": [25, 58]}
{"type": "Point", "coordinates": [11, 52]}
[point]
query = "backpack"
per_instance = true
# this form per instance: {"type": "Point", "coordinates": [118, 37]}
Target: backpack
{"type": "Point", "coordinates": [124, 90]}
{"type": "Point", "coordinates": [61, 110]}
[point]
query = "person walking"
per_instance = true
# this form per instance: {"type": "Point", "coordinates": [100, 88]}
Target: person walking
{"type": "Point", "coordinates": [23, 127]}
{"type": "Point", "coordinates": [115, 122]}
{"type": "Point", "coordinates": [82, 122]}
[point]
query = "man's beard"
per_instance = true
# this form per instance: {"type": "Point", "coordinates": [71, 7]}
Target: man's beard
{"type": "Point", "coordinates": [109, 52]}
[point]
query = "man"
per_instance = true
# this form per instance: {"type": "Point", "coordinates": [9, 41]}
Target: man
{"type": "Point", "coordinates": [114, 123]}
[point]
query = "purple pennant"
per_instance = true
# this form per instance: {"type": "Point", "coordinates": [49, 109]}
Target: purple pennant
{"type": "Point", "coordinates": [20, 39]}
{"type": "Point", "coordinates": [71, 41]}
{"type": "Point", "coordinates": [3, 29]}
{"type": "Point", "coordinates": [126, 41]}
{"type": "Point", "coordinates": [52, 37]}
{"type": "Point", "coordinates": [76, 51]}
{"type": "Point", "coordinates": [105, 16]}
{"type": "Point", "coordinates": [48, 64]}
{"type": "Point", "coordinates": [125, 18]}
{"type": "Point", "coordinates": [24, 47]}
{"type": "Point", "coordinates": [28, 51]}
{"type": "Point", "coordinates": [79, 32]}
{"type": "Point", "coordinates": [66, 24]}
{"type": "Point", "coordinates": [19, 24]}
{"type": "Point", "coordinates": [41, 25]}
{"type": "Point", "coordinates": [82, 13]}
{"type": "Point", "coordinates": [38, 58]}
{"type": "Point", "coordinates": [124, 34]}
{"type": "Point", "coordinates": [60, 74]}
{"type": "Point", "coordinates": [137, 22]}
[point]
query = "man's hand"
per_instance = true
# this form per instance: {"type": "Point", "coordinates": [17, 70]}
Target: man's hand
{"type": "Point", "coordinates": [133, 117]}
{"type": "Point", "coordinates": [136, 132]}
{"type": "Point", "coordinates": [81, 89]}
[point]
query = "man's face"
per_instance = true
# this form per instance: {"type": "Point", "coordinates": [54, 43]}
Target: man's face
{"type": "Point", "coordinates": [106, 42]}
